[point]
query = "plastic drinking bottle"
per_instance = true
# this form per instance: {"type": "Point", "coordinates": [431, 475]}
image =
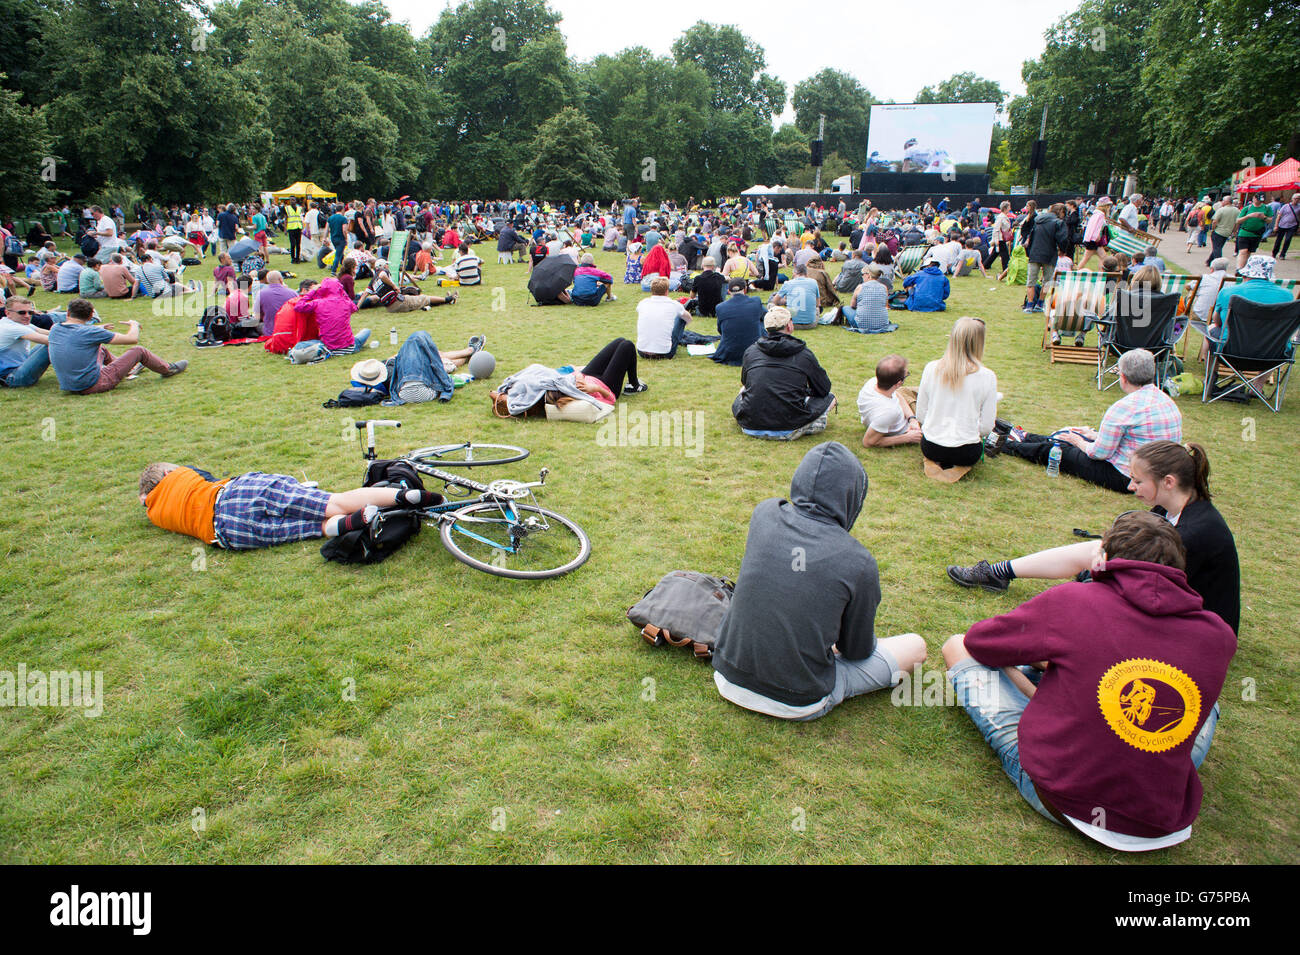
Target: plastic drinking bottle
{"type": "Point", "coordinates": [1054, 460]}
{"type": "Point", "coordinates": [392, 336]}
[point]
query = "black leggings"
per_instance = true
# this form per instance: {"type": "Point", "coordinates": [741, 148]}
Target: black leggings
{"type": "Point", "coordinates": [965, 456]}
{"type": "Point", "coordinates": [612, 363]}
{"type": "Point", "coordinates": [1002, 251]}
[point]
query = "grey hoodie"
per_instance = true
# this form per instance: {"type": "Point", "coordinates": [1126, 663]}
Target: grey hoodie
{"type": "Point", "coordinates": [805, 585]}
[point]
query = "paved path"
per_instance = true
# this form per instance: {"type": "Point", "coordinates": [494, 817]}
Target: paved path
{"type": "Point", "coordinates": [1173, 249]}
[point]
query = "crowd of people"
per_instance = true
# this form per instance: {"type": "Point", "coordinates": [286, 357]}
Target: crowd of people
{"type": "Point", "coordinates": [1166, 580]}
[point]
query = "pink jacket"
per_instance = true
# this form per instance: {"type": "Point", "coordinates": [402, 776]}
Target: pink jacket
{"type": "Point", "coordinates": [332, 307]}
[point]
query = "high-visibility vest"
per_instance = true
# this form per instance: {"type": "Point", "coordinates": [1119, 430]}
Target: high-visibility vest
{"type": "Point", "coordinates": [294, 221]}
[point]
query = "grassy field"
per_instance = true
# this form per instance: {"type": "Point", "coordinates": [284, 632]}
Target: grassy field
{"type": "Point", "coordinates": [507, 721]}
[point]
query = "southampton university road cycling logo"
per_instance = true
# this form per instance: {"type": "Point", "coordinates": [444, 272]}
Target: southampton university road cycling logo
{"type": "Point", "coordinates": [1150, 705]}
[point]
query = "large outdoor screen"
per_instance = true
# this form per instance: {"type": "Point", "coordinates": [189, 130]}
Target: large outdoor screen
{"type": "Point", "coordinates": [948, 138]}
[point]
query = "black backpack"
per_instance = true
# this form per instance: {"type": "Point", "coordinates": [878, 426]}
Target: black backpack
{"type": "Point", "coordinates": [356, 398]}
{"type": "Point", "coordinates": [393, 473]}
{"type": "Point", "coordinates": [384, 534]}
{"type": "Point", "coordinates": [214, 328]}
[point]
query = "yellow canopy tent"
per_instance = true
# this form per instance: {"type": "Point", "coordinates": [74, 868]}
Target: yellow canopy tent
{"type": "Point", "coordinates": [304, 190]}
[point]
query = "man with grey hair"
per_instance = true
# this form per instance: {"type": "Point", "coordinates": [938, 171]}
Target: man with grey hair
{"type": "Point", "coordinates": [1152, 257]}
{"type": "Point", "coordinates": [590, 284]}
{"type": "Point", "coordinates": [1144, 414]}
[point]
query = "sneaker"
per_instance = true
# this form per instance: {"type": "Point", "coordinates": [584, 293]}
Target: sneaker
{"type": "Point", "coordinates": [134, 372]}
{"type": "Point", "coordinates": [635, 389]}
{"type": "Point", "coordinates": [1056, 338]}
{"type": "Point", "coordinates": [1079, 341]}
{"type": "Point", "coordinates": [176, 367]}
{"type": "Point", "coordinates": [612, 297]}
{"type": "Point", "coordinates": [980, 575]}
{"type": "Point", "coordinates": [477, 342]}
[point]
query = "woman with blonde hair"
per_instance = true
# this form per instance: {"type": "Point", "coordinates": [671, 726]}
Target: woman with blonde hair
{"type": "Point", "coordinates": [956, 403]}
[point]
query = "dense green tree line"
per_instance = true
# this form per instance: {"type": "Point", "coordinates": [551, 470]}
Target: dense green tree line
{"type": "Point", "coordinates": [176, 100]}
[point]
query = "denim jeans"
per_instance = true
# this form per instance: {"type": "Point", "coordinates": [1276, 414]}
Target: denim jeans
{"type": "Point", "coordinates": [361, 337]}
{"type": "Point", "coordinates": [30, 371]}
{"type": "Point", "coordinates": [995, 704]}
{"type": "Point", "coordinates": [418, 360]}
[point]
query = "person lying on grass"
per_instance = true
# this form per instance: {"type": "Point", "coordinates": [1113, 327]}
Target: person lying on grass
{"type": "Point", "coordinates": [1100, 699]}
{"type": "Point", "coordinates": [260, 510]}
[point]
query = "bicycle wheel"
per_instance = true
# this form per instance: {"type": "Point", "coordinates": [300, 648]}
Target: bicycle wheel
{"type": "Point", "coordinates": [468, 454]}
{"type": "Point", "coordinates": [522, 541]}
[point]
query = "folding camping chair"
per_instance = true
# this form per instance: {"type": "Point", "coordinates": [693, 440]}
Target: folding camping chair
{"type": "Point", "coordinates": [909, 259]}
{"type": "Point", "coordinates": [1137, 319]}
{"type": "Point", "coordinates": [1078, 301]}
{"type": "Point", "coordinates": [1256, 346]}
{"type": "Point", "coordinates": [1291, 285]}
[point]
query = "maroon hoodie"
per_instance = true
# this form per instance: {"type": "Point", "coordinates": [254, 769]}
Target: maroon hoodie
{"type": "Point", "coordinates": [1135, 666]}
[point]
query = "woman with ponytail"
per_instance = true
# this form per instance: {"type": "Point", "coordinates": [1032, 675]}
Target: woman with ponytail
{"type": "Point", "coordinates": [1173, 479]}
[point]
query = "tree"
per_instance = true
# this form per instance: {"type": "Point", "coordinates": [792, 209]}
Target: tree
{"type": "Point", "coordinates": [788, 155]}
{"type": "Point", "coordinates": [735, 64]}
{"type": "Point", "coordinates": [845, 102]}
{"type": "Point", "coordinates": [1006, 171]}
{"type": "Point", "coordinates": [567, 160]}
{"type": "Point", "coordinates": [26, 157]}
{"type": "Point", "coordinates": [1207, 128]}
{"type": "Point", "coordinates": [502, 68]}
{"type": "Point", "coordinates": [1089, 77]}
{"type": "Point", "coordinates": [963, 88]}
{"type": "Point", "coordinates": [645, 107]}
{"type": "Point", "coordinates": [165, 109]}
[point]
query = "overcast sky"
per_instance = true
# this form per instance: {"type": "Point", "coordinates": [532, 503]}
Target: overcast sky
{"type": "Point", "coordinates": [893, 48]}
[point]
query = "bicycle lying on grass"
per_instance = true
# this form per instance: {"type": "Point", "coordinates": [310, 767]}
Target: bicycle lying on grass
{"type": "Point", "coordinates": [502, 531]}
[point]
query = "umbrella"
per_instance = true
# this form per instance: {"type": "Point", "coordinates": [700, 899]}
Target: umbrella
{"type": "Point", "coordinates": [143, 235]}
{"type": "Point", "coordinates": [550, 277]}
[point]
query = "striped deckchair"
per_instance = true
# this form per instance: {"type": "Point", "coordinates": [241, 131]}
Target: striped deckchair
{"type": "Point", "coordinates": [1130, 243]}
{"type": "Point", "coordinates": [1186, 286]}
{"type": "Point", "coordinates": [1078, 298]}
{"type": "Point", "coordinates": [909, 259]}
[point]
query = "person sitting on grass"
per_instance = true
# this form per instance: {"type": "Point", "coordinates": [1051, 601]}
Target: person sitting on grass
{"type": "Point", "coordinates": [885, 406]}
{"type": "Point", "coordinates": [89, 284]}
{"type": "Point", "coordinates": [332, 308]}
{"type": "Point", "coordinates": [927, 289]}
{"type": "Point", "coordinates": [85, 367]}
{"type": "Point", "coordinates": [1174, 479]}
{"type": "Point", "coordinates": [799, 637]}
{"type": "Point", "coordinates": [740, 323]}
{"type": "Point", "coordinates": [1144, 414]}
{"type": "Point", "coordinates": [260, 510]}
{"type": "Point", "coordinates": [24, 354]}
{"type": "Point", "coordinates": [868, 311]}
{"type": "Point", "coordinates": [784, 392]}
{"type": "Point", "coordinates": [1101, 698]}
{"type": "Point", "coordinates": [957, 400]}
{"type": "Point", "coordinates": [661, 322]}
{"type": "Point", "coordinates": [292, 326]}
{"type": "Point", "coordinates": [591, 285]}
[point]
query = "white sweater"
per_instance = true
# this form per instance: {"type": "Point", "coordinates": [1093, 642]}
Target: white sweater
{"type": "Point", "coordinates": [956, 418]}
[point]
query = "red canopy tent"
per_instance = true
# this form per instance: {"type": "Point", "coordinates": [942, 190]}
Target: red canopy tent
{"type": "Point", "coordinates": [1285, 175]}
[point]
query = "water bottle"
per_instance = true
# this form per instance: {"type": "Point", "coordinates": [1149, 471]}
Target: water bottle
{"type": "Point", "coordinates": [1054, 460]}
{"type": "Point", "coordinates": [392, 336]}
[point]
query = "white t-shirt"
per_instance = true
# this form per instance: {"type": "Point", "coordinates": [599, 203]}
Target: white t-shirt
{"type": "Point", "coordinates": [106, 230]}
{"type": "Point", "coordinates": [1129, 215]}
{"type": "Point", "coordinates": [956, 418]}
{"type": "Point", "coordinates": [883, 415]}
{"type": "Point", "coordinates": [655, 319]}
{"type": "Point", "coordinates": [13, 350]}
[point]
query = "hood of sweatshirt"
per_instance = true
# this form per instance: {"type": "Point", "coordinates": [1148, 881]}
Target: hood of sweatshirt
{"type": "Point", "coordinates": [1153, 588]}
{"type": "Point", "coordinates": [830, 485]}
{"type": "Point", "coordinates": [781, 345]}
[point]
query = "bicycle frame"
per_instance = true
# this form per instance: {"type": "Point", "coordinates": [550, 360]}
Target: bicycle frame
{"type": "Point", "coordinates": [501, 493]}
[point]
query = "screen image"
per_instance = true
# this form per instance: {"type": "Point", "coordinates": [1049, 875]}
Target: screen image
{"type": "Point", "coordinates": [941, 138]}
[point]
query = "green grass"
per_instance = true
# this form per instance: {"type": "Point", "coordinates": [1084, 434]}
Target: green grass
{"type": "Point", "coordinates": [225, 686]}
